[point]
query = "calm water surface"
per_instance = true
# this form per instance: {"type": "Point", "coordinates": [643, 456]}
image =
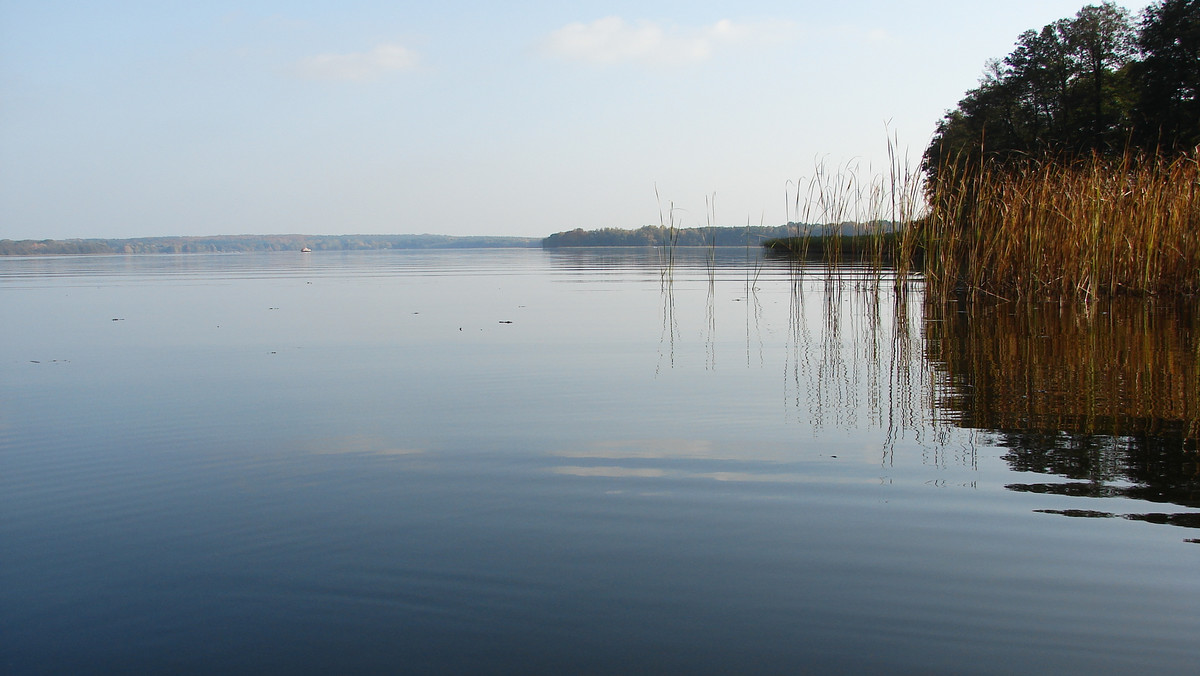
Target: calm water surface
{"type": "Point", "coordinates": [527, 461]}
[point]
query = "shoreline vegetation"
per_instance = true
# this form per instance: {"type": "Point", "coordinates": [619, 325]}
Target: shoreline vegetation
{"type": "Point", "coordinates": [663, 235]}
{"type": "Point", "coordinates": [1088, 228]}
{"type": "Point", "coordinates": [1073, 169]}
{"type": "Point", "coordinates": [647, 236]}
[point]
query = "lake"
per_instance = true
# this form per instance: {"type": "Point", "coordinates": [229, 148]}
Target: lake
{"type": "Point", "coordinates": [585, 461]}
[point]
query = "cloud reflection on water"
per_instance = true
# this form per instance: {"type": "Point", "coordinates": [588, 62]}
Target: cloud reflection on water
{"type": "Point", "coordinates": [357, 444]}
{"type": "Point", "coordinates": [619, 472]}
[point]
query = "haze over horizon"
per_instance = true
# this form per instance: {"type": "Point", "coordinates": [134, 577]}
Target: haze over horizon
{"type": "Point", "coordinates": [138, 119]}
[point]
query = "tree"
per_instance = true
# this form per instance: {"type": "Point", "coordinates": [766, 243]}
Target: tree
{"type": "Point", "coordinates": [1101, 40]}
{"type": "Point", "coordinates": [1168, 108]}
{"type": "Point", "coordinates": [1063, 90]}
{"type": "Point", "coordinates": [1040, 70]}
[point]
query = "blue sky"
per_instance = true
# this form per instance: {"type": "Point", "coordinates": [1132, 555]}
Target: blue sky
{"type": "Point", "coordinates": [130, 119]}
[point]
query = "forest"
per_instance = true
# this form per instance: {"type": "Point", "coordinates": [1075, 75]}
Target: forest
{"type": "Point", "coordinates": [1102, 82]}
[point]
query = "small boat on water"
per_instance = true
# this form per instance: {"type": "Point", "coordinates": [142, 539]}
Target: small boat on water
{"type": "Point", "coordinates": [306, 250]}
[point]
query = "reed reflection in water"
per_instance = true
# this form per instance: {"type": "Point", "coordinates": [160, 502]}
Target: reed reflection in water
{"type": "Point", "coordinates": [855, 359]}
{"type": "Point", "coordinates": [1104, 395]}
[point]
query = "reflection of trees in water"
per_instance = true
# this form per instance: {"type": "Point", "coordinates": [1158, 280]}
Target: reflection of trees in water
{"type": "Point", "coordinates": [1105, 395]}
{"type": "Point", "coordinates": [1155, 468]}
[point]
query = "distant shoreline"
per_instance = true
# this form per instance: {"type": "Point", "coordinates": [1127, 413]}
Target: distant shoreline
{"type": "Point", "coordinates": [251, 243]}
{"type": "Point", "coordinates": [646, 236]}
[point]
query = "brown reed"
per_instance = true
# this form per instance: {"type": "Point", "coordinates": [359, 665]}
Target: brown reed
{"type": "Point", "coordinates": [1093, 228]}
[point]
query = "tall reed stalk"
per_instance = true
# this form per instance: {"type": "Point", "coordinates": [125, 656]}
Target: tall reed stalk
{"type": "Point", "coordinates": [667, 257]}
{"type": "Point", "coordinates": [848, 216]}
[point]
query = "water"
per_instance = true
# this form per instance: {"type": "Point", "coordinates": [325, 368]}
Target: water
{"type": "Point", "coordinates": [532, 461]}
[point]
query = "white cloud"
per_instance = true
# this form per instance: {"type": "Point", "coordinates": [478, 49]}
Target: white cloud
{"type": "Point", "coordinates": [359, 66]}
{"type": "Point", "coordinates": [613, 40]}
{"type": "Point", "coordinates": [878, 35]}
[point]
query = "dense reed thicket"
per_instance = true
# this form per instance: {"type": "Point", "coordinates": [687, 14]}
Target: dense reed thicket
{"type": "Point", "coordinates": [1087, 228]}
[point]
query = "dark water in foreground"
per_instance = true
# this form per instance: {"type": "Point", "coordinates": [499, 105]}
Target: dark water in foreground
{"type": "Point", "coordinates": [355, 463]}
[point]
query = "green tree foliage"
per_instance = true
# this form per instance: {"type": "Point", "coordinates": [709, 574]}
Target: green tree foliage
{"type": "Point", "coordinates": [1100, 43]}
{"type": "Point", "coordinates": [1094, 83]}
{"type": "Point", "coordinates": [1167, 112]}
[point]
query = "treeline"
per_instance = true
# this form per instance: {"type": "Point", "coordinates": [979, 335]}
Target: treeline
{"type": "Point", "coordinates": [245, 243]}
{"type": "Point", "coordinates": [657, 235]}
{"type": "Point", "coordinates": [30, 247]}
{"type": "Point", "coordinates": [1101, 82]}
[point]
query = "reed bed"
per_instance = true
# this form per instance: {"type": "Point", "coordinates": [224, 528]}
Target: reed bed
{"type": "Point", "coordinates": [1093, 228]}
{"type": "Point", "coordinates": [1050, 228]}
